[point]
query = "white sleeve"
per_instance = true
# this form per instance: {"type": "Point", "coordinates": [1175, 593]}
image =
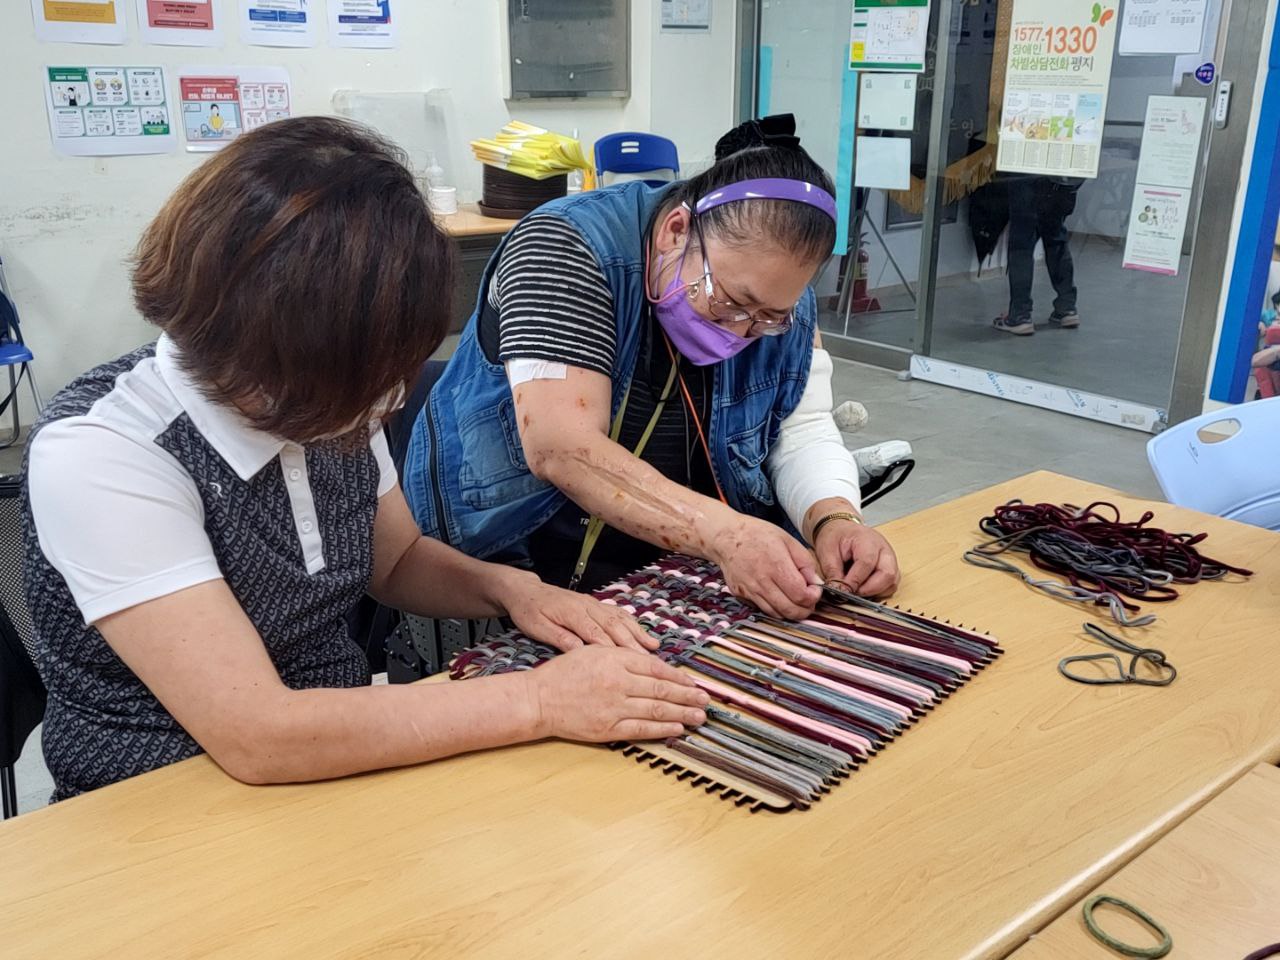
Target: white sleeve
{"type": "Point", "coordinates": [120, 519]}
{"type": "Point", "coordinates": [810, 461]}
{"type": "Point", "coordinates": [387, 475]}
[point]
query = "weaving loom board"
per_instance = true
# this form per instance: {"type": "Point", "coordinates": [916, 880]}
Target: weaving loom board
{"type": "Point", "coordinates": [720, 617]}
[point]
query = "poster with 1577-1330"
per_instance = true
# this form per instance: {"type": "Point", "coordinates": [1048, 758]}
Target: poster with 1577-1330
{"type": "Point", "coordinates": [1056, 80]}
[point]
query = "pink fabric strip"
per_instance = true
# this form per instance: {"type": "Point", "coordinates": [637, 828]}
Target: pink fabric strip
{"type": "Point", "coordinates": [895, 708]}
{"type": "Point", "coordinates": [913, 690]}
{"type": "Point", "coordinates": [962, 665]}
{"type": "Point", "coordinates": [825, 732]}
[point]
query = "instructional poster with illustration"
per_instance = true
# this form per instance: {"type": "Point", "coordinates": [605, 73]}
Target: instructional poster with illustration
{"type": "Point", "coordinates": [1167, 166]}
{"type": "Point", "coordinates": [889, 35]}
{"type": "Point", "coordinates": [219, 104]}
{"type": "Point", "coordinates": [279, 23]}
{"type": "Point", "coordinates": [108, 111]}
{"type": "Point", "coordinates": [1171, 134]}
{"type": "Point", "coordinates": [1055, 97]}
{"type": "Point", "coordinates": [362, 23]}
{"type": "Point", "coordinates": [79, 21]}
{"type": "Point", "coordinates": [183, 23]}
{"type": "Point", "coordinates": [1157, 221]}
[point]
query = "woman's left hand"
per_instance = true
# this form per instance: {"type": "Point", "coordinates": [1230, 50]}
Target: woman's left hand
{"type": "Point", "coordinates": [566, 620]}
{"type": "Point", "coordinates": [859, 556]}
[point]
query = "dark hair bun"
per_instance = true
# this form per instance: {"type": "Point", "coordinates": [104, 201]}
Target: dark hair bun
{"type": "Point", "coordinates": [776, 131]}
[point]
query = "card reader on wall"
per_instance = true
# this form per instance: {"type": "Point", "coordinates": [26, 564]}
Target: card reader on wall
{"type": "Point", "coordinates": [1222, 104]}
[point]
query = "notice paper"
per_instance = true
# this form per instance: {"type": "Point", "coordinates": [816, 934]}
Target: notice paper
{"type": "Point", "coordinates": [1055, 99]}
{"type": "Point", "coordinates": [1166, 173]}
{"type": "Point", "coordinates": [108, 111]}
{"type": "Point", "coordinates": [1162, 26]}
{"type": "Point", "coordinates": [362, 23]}
{"type": "Point", "coordinates": [1157, 221]}
{"type": "Point", "coordinates": [279, 23]}
{"type": "Point", "coordinates": [182, 23]}
{"type": "Point", "coordinates": [79, 21]}
{"type": "Point", "coordinates": [889, 35]}
{"type": "Point", "coordinates": [686, 14]}
{"type": "Point", "coordinates": [1171, 141]}
{"type": "Point", "coordinates": [220, 103]}
{"type": "Point", "coordinates": [882, 162]}
{"type": "Point", "coordinates": [887, 101]}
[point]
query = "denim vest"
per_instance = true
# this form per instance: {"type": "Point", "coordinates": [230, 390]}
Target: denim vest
{"type": "Point", "coordinates": [466, 478]}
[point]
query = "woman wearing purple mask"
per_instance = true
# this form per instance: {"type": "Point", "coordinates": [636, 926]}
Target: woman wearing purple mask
{"type": "Point", "coordinates": [643, 374]}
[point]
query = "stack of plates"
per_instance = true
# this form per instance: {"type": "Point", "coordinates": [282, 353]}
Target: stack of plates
{"type": "Point", "coordinates": [509, 196]}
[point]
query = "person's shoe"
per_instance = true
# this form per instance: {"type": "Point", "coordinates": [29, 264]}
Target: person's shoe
{"type": "Point", "coordinates": [1021, 327]}
{"type": "Point", "coordinates": [1067, 319]}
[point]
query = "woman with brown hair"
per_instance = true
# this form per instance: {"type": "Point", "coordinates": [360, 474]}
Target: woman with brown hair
{"type": "Point", "coordinates": [204, 511]}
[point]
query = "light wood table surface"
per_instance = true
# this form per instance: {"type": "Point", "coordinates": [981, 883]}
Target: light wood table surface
{"type": "Point", "coordinates": [971, 832]}
{"type": "Point", "coordinates": [1213, 882]}
{"type": "Point", "coordinates": [470, 222]}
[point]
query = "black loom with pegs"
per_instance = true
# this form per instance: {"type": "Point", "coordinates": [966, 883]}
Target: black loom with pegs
{"type": "Point", "coordinates": [796, 707]}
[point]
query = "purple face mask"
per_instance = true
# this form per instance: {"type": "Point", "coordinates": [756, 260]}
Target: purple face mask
{"type": "Point", "coordinates": [699, 340]}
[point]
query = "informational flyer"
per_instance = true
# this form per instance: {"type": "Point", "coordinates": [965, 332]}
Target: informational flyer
{"type": "Point", "coordinates": [889, 35]}
{"type": "Point", "coordinates": [1057, 75]}
{"type": "Point", "coordinates": [1157, 221]}
{"type": "Point", "coordinates": [1166, 173]}
{"type": "Point", "coordinates": [182, 23]}
{"type": "Point", "coordinates": [1162, 26]}
{"type": "Point", "coordinates": [279, 23]}
{"type": "Point", "coordinates": [1171, 141]}
{"type": "Point", "coordinates": [220, 103]}
{"type": "Point", "coordinates": [108, 111]}
{"type": "Point", "coordinates": [686, 14]}
{"type": "Point", "coordinates": [887, 101]}
{"type": "Point", "coordinates": [362, 23]}
{"type": "Point", "coordinates": [79, 21]}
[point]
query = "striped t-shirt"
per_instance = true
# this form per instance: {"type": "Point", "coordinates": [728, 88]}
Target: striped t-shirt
{"type": "Point", "coordinates": [552, 299]}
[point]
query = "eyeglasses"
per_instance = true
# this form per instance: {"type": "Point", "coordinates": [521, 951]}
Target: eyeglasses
{"type": "Point", "coordinates": [764, 323]}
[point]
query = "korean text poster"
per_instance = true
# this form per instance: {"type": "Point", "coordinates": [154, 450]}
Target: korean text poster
{"type": "Point", "coordinates": [79, 21]}
{"type": "Point", "coordinates": [108, 111]}
{"type": "Point", "coordinates": [1056, 80]}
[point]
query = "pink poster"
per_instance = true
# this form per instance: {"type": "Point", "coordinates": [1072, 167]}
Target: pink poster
{"type": "Point", "coordinates": [181, 22]}
{"type": "Point", "coordinates": [180, 14]}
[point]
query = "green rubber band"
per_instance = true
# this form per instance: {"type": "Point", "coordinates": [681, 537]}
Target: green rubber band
{"type": "Point", "coordinates": [1165, 945]}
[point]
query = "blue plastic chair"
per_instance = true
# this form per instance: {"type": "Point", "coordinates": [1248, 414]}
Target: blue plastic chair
{"type": "Point", "coordinates": [1235, 476]}
{"type": "Point", "coordinates": [636, 153]}
{"type": "Point", "coordinates": [17, 357]}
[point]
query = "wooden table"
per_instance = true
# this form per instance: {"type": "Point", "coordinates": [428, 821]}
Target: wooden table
{"type": "Point", "coordinates": [1213, 883]}
{"type": "Point", "coordinates": [973, 831]}
{"type": "Point", "coordinates": [470, 222]}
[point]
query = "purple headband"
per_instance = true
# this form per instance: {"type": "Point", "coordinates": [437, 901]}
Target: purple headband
{"type": "Point", "coordinates": [771, 188]}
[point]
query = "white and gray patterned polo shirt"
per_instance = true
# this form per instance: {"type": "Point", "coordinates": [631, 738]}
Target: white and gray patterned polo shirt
{"type": "Point", "coordinates": [137, 486]}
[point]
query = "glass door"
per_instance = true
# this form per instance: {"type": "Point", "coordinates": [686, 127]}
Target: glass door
{"type": "Point", "coordinates": [869, 290]}
{"type": "Point", "coordinates": [1024, 222]}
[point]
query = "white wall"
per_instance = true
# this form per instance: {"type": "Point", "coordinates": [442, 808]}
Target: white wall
{"type": "Point", "coordinates": [67, 225]}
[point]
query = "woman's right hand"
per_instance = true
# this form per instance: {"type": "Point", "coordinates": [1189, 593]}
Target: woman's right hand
{"type": "Point", "coordinates": [766, 566]}
{"type": "Point", "coordinates": [599, 694]}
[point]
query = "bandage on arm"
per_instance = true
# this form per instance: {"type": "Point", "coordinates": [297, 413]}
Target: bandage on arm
{"type": "Point", "coordinates": [810, 462]}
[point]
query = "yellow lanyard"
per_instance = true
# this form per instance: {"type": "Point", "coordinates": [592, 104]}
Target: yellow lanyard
{"type": "Point", "coordinates": [595, 525]}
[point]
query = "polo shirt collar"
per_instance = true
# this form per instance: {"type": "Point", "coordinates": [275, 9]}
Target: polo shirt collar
{"type": "Point", "coordinates": [245, 448]}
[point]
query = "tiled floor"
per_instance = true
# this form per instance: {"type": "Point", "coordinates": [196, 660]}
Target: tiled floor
{"type": "Point", "coordinates": [1124, 347]}
{"type": "Point", "coordinates": [962, 442]}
